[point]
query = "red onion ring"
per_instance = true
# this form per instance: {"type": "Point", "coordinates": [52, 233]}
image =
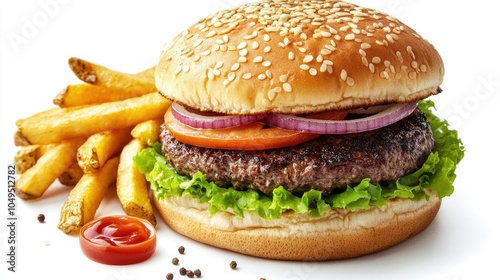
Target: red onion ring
{"type": "Point", "coordinates": [211, 122]}
{"type": "Point", "coordinates": [383, 118]}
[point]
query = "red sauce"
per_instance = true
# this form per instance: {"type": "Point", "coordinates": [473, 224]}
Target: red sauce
{"type": "Point", "coordinates": [118, 240]}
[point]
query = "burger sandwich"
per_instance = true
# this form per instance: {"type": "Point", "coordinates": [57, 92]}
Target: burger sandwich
{"type": "Point", "coordinates": [298, 130]}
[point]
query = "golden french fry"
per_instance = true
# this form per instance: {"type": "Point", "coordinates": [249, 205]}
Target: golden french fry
{"type": "Point", "coordinates": [100, 147]}
{"type": "Point", "coordinates": [86, 196]}
{"type": "Point", "coordinates": [71, 176]}
{"type": "Point", "coordinates": [67, 123]}
{"type": "Point", "coordinates": [27, 156]}
{"type": "Point", "coordinates": [102, 76]}
{"type": "Point", "coordinates": [147, 132]}
{"type": "Point", "coordinates": [85, 94]}
{"type": "Point", "coordinates": [36, 180]}
{"type": "Point", "coordinates": [131, 186]}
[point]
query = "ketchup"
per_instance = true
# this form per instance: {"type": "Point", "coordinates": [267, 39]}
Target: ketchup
{"type": "Point", "coordinates": [118, 240]}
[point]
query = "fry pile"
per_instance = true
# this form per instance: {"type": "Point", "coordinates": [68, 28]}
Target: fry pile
{"type": "Point", "coordinates": [88, 142]}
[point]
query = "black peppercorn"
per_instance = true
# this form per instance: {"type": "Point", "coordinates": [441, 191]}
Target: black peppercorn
{"type": "Point", "coordinates": [181, 250]}
{"type": "Point", "coordinates": [175, 261]}
{"type": "Point", "coordinates": [197, 273]}
{"type": "Point", "coordinates": [170, 276]}
{"type": "Point", "coordinates": [190, 273]}
{"type": "Point", "coordinates": [41, 218]}
{"type": "Point", "coordinates": [182, 271]}
{"type": "Point", "coordinates": [233, 264]}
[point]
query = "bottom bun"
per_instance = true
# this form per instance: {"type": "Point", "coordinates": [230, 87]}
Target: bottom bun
{"type": "Point", "coordinates": [339, 234]}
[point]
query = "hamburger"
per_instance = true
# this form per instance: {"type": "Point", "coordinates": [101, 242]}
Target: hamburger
{"type": "Point", "coordinates": [300, 130]}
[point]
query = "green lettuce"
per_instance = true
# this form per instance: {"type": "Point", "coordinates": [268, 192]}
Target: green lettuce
{"type": "Point", "coordinates": [436, 174]}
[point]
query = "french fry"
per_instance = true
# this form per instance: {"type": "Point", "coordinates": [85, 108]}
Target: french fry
{"type": "Point", "coordinates": [102, 76]}
{"type": "Point", "coordinates": [86, 196]}
{"type": "Point", "coordinates": [71, 176]}
{"type": "Point", "coordinates": [36, 180]}
{"type": "Point", "coordinates": [147, 132]}
{"type": "Point", "coordinates": [67, 123]}
{"type": "Point", "coordinates": [27, 156]}
{"type": "Point", "coordinates": [100, 147]}
{"type": "Point", "coordinates": [85, 94]}
{"type": "Point", "coordinates": [131, 186]}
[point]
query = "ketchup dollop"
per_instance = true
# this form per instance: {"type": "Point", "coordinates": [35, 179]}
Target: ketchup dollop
{"type": "Point", "coordinates": [118, 240]}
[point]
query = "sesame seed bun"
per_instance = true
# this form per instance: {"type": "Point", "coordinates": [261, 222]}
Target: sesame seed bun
{"type": "Point", "coordinates": [297, 57]}
{"type": "Point", "coordinates": [339, 234]}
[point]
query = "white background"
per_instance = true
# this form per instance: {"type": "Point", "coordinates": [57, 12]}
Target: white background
{"type": "Point", "coordinates": [38, 37]}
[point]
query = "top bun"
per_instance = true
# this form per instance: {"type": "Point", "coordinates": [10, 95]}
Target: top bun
{"type": "Point", "coordinates": [297, 57]}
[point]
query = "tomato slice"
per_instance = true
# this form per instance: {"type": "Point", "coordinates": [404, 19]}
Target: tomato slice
{"type": "Point", "coordinates": [118, 240]}
{"type": "Point", "coordinates": [252, 136]}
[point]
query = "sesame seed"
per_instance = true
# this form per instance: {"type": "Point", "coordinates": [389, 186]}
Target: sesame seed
{"type": "Point", "coordinates": [372, 67]}
{"type": "Point", "coordinates": [283, 78]}
{"type": "Point", "coordinates": [261, 76]}
{"type": "Point", "coordinates": [271, 94]}
{"type": "Point", "coordinates": [349, 37]}
{"type": "Point", "coordinates": [231, 76]}
{"type": "Point", "coordinates": [389, 38]}
{"type": "Point", "coordinates": [329, 69]}
{"type": "Point", "coordinates": [242, 59]}
{"type": "Point", "coordinates": [423, 68]}
{"type": "Point", "coordinates": [364, 60]}
{"type": "Point", "coordinates": [235, 66]}
{"type": "Point", "coordinates": [255, 45]}
{"type": "Point", "coordinates": [197, 43]}
{"type": "Point", "coordinates": [291, 55]}
{"type": "Point", "coordinates": [267, 49]}
{"type": "Point", "coordinates": [323, 68]}
{"type": "Point", "coordinates": [304, 67]}
{"type": "Point", "coordinates": [178, 70]}
{"type": "Point", "coordinates": [376, 60]}
{"type": "Point", "coordinates": [414, 64]}
{"type": "Point", "coordinates": [242, 45]}
{"type": "Point", "coordinates": [243, 52]}
{"type": "Point", "coordinates": [384, 75]}
{"type": "Point", "coordinates": [266, 63]}
{"type": "Point", "coordinates": [412, 75]}
{"type": "Point", "coordinates": [219, 65]}
{"type": "Point", "coordinates": [319, 58]}
{"type": "Point", "coordinates": [258, 59]}
{"type": "Point", "coordinates": [343, 75]}
{"type": "Point", "coordinates": [308, 58]}
{"type": "Point", "coordinates": [269, 74]}
{"type": "Point", "coordinates": [185, 68]}
{"type": "Point", "coordinates": [313, 71]}
{"type": "Point", "coordinates": [400, 56]}
{"type": "Point", "coordinates": [267, 38]}
{"type": "Point", "coordinates": [287, 87]}
{"type": "Point", "coordinates": [350, 81]}
{"type": "Point", "coordinates": [325, 51]}
{"type": "Point", "coordinates": [247, 76]}
{"type": "Point", "coordinates": [211, 34]}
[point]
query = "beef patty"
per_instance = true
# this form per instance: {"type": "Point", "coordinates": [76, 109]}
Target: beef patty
{"type": "Point", "coordinates": [325, 163]}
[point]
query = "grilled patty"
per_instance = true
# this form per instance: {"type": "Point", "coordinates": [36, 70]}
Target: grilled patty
{"type": "Point", "coordinates": [325, 163]}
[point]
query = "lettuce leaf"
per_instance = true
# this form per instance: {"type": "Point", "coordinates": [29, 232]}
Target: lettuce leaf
{"type": "Point", "coordinates": [437, 174]}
